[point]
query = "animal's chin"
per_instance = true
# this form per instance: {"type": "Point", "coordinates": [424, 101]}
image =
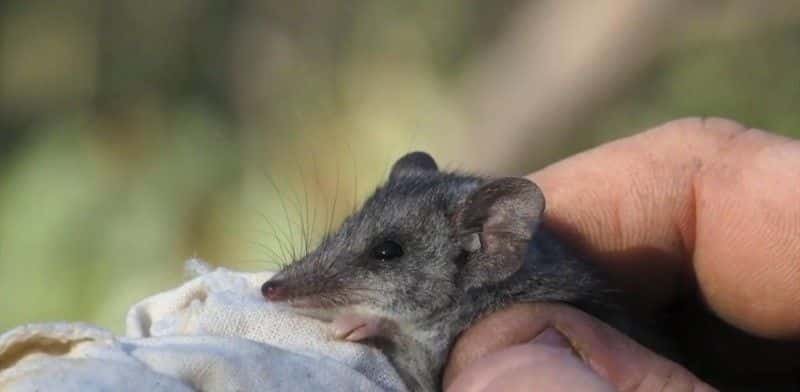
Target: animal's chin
{"type": "Point", "coordinates": [304, 303]}
{"type": "Point", "coordinates": [321, 314]}
{"type": "Point", "coordinates": [308, 306]}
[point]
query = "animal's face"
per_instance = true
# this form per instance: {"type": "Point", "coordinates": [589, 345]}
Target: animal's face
{"type": "Point", "coordinates": [397, 254]}
{"type": "Point", "coordinates": [408, 251]}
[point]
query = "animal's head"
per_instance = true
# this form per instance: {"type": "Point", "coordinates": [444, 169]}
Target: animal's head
{"type": "Point", "coordinates": [418, 243]}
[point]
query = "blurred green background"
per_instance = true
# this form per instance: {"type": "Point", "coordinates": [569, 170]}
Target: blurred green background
{"type": "Point", "coordinates": [135, 135]}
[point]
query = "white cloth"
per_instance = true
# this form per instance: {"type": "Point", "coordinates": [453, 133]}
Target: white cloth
{"type": "Point", "coordinates": [213, 333]}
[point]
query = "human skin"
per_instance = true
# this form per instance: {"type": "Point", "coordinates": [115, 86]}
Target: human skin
{"type": "Point", "coordinates": [701, 205]}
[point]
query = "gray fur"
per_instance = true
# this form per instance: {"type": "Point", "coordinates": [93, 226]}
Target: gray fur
{"type": "Point", "coordinates": [471, 246]}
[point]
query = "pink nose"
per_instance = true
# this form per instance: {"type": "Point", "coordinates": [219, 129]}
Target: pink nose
{"type": "Point", "coordinates": [274, 291]}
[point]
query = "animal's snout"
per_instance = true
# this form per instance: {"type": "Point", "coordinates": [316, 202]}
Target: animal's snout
{"type": "Point", "coordinates": [274, 290]}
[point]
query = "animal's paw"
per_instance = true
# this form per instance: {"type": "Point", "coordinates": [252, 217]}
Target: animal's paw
{"type": "Point", "coordinates": [354, 327]}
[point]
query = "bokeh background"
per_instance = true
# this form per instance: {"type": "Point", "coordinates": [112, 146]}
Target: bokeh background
{"type": "Point", "coordinates": [137, 134]}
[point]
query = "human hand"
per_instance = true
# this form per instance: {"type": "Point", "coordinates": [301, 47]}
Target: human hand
{"type": "Point", "coordinates": [695, 205]}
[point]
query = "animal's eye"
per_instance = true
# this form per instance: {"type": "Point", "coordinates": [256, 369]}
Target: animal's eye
{"type": "Point", "coordinates": [387, 250]}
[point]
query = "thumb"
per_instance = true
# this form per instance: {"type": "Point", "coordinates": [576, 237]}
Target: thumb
{"type": "Point", "coordinates": [505, 349]}
{"type": "Point", "coordinates": [546, 364]}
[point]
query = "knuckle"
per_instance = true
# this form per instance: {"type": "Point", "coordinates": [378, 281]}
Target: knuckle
{"type": "Point", "coordinates": [719, 130]}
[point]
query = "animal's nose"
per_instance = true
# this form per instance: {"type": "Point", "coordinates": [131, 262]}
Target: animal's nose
{"type": "Point", "coordinates": [274, 290]}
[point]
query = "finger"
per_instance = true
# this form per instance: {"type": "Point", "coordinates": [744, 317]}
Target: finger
{"type": "Point", "coordinates": [747, 246]}
{"type": "Point", "coordinates": [609, 354]}
{"type": "Point", "coordinates": [693, 202]}
{"type": "Point", "coordinates": [539, 366]}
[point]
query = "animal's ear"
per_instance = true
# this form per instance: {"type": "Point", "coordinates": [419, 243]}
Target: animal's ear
{"type": "Point", "coordinates": [495, 225]}
{"type": "Point", "coordinates": [412, 162]}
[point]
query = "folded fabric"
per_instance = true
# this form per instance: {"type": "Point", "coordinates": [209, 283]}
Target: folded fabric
{"type": "Point", "coordinates": [213, 333]}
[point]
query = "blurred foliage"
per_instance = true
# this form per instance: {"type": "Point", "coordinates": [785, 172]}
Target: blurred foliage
{"type": "Point", "coordinates": [135, 135]}
{"type": "Point", "coordinates": [748, 79]}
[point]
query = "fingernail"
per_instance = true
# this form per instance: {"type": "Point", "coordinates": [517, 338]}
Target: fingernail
{"type": "Point", "coordinates": [551, 337]}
